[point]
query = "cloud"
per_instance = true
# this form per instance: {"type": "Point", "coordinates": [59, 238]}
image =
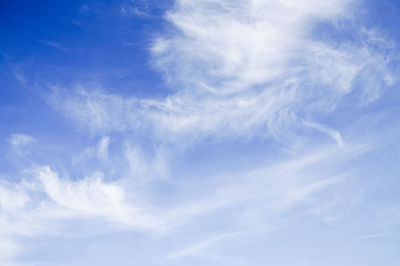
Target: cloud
{"type": "Point", "coordinates": [92, 197]}
{"type": "Point", "coordinates": [251, 42]}
{"type": "Point", "coordinates": [334, 134]}
{"type": "Point", "coordinates": [103, 147]}
{"type": "Point", "coordinates": [44, 203]}
{"type": "Point", "coordinates": [55, 45]}
{"type": "Point", "coordinates": [259, 71]}
{"type": "Point", "coordinates": [17, 140]}
{"type": "Point", "coordinates": [21, 143]}
{"type": "Point", "coordinates": [200, 248]}
{"type": "Point", "coordinates": [44, 198]}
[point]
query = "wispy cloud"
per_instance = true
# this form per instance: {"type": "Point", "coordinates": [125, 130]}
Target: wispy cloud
{"type": "Point", "coordinates": [18, 140]}
{"type": "Point", "coordinates": [55, 45]}
{"type": "Point", "coordinates": [256, 72]}
{"type": "Point", "coordinates": [199, 248]}
{"type": "Point", "coordinates": [21, 143]}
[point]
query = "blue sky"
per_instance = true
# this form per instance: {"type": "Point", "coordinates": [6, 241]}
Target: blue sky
{"type": "Point", "coordinates": [185, 132]}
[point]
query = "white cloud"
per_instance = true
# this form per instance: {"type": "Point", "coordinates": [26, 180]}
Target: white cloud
{"type": "Point", "coordinates": [146, 168]}
{"type": "Point", "coordinates": [99, 151]}
{"type": "Point", "coordinates": [247, 200]}
{"type": "Point", "coordinates": [102, 148]}
{"type": "Point", "coordinates": [250, 42]}
{"type": "Point", "coordinates": [32, 206]}
{"type": "Point", "coordinates": [92, 197]}
{"type": "Point", "coordinates": [12, 198]}
{"type": "Point", "coordinates": [334, 134]}
{"type": "Point", "coordinates": [21, 143]}
{"type": "Point", "coordinates": [55, 45]}
{"type": "Point", "coordinates": [256, 72]}
{"type": "Point", "coordinates": [200, 248]}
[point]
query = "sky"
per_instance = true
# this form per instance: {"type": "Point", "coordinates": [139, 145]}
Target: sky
{"type": "Point", "coordinates": [199, 132]}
